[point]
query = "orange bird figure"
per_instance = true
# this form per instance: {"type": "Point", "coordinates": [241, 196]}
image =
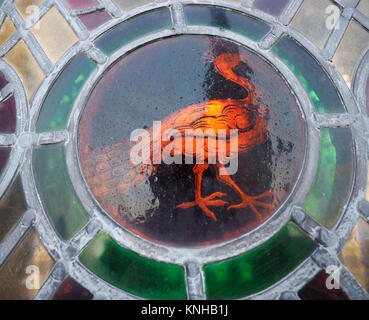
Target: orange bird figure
{"type": "Point", "coordinates": [110, 172]}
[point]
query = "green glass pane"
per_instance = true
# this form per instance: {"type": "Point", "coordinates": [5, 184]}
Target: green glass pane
{"type": "Point", "coordinates": [59, 101]}
{"type": "Point", "coordinates": [227, 19]}
{"type": "Point", "coordinates": [316, 82]}
{"type": "Point", "coordinates": [259, 268]}
{"type": "Point", "coordinates": [12, 207]}
{"type": "Point", "coordinates": [130, 272]}
{"type": "Point", "coordinates": [134, 28]}
{"type": "Point", "coordinates": [56, 191]}
{"type": "Point", "coordinates": [333, 181]}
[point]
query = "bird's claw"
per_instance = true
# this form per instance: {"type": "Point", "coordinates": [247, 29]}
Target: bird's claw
{"type": "Point", "coordinates": [206, 202]}
{"type": "Point", "coordinates": [252, 201]}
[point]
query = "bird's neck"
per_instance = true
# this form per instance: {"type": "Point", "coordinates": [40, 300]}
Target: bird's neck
{"type": "Point", "coordinates": [229, 74]}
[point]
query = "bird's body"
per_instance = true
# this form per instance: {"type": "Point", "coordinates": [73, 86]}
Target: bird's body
{"type": "Point", "coordinates": [110, 170]}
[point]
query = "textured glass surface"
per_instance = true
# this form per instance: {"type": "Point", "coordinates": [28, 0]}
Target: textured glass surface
{"type": "Point", "coordinates": [27, 7]}
{"type": "Point", "coordinates": [135, 274]}
{"type": "Point", "coordinates": [8, 116]}
{"type": "Point", "coordinates": [4, 157]}
{"type": "Point", "coordinates": [355, 253]}
{"type": "Point", "coordinates": [145, 86]}
{"type": "Point", "coordinates": [59, 101]}
{"type": "Point", "coordinates": [333, 181]}
{"type": "Point", "coordinates": [317, 289]}
{"type": "Point", "coordinates": [95, 19]}
{"type": "Point", "coordinates": [229, 20]}
{"type": "Point", "coordinates": [82, 4]}
{"type": "Point", "coordinates": [12, 207]}
{"type": "Point", "coordinates": [20, 267]}
{"type": "Point", "coordinates": [352, 48]}
{"type": "Point", "coordinates": [363, 6]}
{"type": "Point", "coordinates": [126, 5]}
{"type": "Point", "coordinates": [134, 28]}
{"type": "Point", "coordinates": [311, 20]}
{"type": "Point", "coordinates": [6, 31]}
{"type": "Point", "coordinates": [273, 7]}
{"type": "Point", "coordinates": [367, 96]}
{"type": "Point", "coordinates": [54, 34]}
{"type": "Point", "coordinates": [259, 268]}
{"type": "Point", "coordinates": [56, 190]}
{"type": "Point", "coordinates": [319, 87]}
{"type": "Point", "coordinates": [22, 60]}
{"type": "Point", "coordinates": [72, 290]}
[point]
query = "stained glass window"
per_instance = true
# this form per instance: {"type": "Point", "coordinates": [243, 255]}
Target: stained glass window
{"type": "Point", "coordinates": [184, 149]}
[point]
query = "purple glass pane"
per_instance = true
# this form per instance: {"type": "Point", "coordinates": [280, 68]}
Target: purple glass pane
{"type": "Point", "coordinates": [273, 7]}
{"type": "Point", "coordinates": [4, 156]}
{"type": "Point", "coordinates": [95, 19]}
{"type": "Point", "coordinates": [367, 96]}
{"type": "Point", "coordinates": [3, 81]}
{"type": "Point", "coordinates": [81, 4]}
{"type": "Point", "coordinates": [8, 116]}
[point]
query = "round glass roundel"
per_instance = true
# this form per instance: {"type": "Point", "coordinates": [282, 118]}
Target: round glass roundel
{"type": "Point", "coordinates": [218, 132]}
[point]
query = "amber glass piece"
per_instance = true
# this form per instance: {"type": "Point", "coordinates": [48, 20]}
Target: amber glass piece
{"type": "Point", "coordinates": [311, 21]}
{"type": "Point", "coordinates": [317, 289]}
{"type": "Point", "coordinates": [54, 34]}
{"type": "Point", "coordinates": [352, 48]}
{"type": "Point", "coordinates": [6, 30]}
{"type": "Point", "coordinates": [12, 207]}
{"type": "Point", "coordinates": [22, 266]}
{"type": "Point", "coordinates": [126, 5]}
{"type": "Point", "coordinates": [363, 7]}
{"type": "Point", "coordinates": [22, 60]}
{"type": "Point", "coordinates": [355, 253]}
{"type": "Point", "coordinates": [273, 7]}
{"type": "Point", "coordinates": [70, 289]}
{"type": "Point", "coordinates": [27, 7]}
{"type": "Point", "coordinates": [133, 273]}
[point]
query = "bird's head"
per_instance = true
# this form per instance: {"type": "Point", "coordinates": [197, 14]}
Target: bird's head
{"type": "Point", "coordinates": [223, 61]}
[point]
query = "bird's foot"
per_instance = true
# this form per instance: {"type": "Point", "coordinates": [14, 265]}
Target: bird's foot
{"type": "Point", "coordinates": [204, 203]}
{"type": "Point", "coordinates": [252, 202]}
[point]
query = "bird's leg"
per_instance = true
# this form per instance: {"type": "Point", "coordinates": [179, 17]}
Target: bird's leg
{"type": "Point", "coordinates": [203, 203]}
{"type": "Point", "coordinates": [247, 201]}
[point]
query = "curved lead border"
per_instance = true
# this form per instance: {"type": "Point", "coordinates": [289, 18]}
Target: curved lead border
{"type": "Point", "coordinates": [21, 105]}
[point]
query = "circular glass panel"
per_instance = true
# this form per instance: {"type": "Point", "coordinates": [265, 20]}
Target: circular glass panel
{"type": "Point", "coordinates": [189, 83]}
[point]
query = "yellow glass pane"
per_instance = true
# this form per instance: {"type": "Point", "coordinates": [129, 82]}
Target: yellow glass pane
{"type": "Point", "coordinates": [355, 253]}
{"type": "Point", "coordinates": [311, 21]}
{"type": "Point", "coordinates": [26, 269]}
{"type": "Point", "coordinates": [12, 207]}
{"type": "Point", "coordinates": [54, 34]}
{"type": "Point", "coordinates": [27, 7]}
{"type": "Point", "coordinates": [6, 30]}
{"type": "Point", "coordinates": [22, 60]}
{"type": "Point", "coordinates": [364, 7]}
{"type": "Point", "coordinates": [352, 48]}
{"type": "Point", "coordinates": [126, 5]}
{"type": "Point", "coordinates": [367, 187]}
